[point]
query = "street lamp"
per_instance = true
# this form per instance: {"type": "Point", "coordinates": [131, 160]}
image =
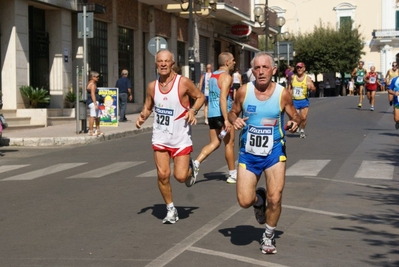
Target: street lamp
{"type": "Point", "coordinates": [262, 15]}
{"type": "Point", "coordinates": [280, 21]}
{"type": "Point", "coordinates": [192, 6]}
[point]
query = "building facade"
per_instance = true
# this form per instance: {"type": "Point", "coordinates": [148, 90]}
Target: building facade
{"type": "Point", "coordinates": [378, 21]}
{"type": "Point", "coordinates": [41, 42]}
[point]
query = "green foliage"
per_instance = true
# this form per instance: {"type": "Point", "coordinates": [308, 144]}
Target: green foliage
{"type": "Point", "coordinates": [70, 97]}
{"type": "Point", "coordinates": [329, 50]}
{"type": "Point", "coordinates": [35, 95]}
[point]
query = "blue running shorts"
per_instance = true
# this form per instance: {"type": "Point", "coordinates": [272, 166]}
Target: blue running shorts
{"type": "Point", "coordinates": [300, 104]}
{"type": "Point", "coordinates": [257, 164]}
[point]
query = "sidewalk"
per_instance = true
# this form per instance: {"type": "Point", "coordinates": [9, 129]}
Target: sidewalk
{"type": "Point", "coordinates": [65, 134]}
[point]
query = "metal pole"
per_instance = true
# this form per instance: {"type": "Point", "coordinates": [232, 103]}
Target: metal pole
{"type": "Point", "coordinates": [77, 103]}
{"type": "Point", "coordinates": [278, 60]}
{"type": "Point", "coordinates": [267, 26]}
{"type": "Point", "coordinates": [191, 40]}
{"type": "Point", "coordinates": [84, 74]}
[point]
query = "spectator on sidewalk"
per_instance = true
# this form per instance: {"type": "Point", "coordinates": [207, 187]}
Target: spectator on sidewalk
{"type": "Point", "coordinates": [92, 102]}
{"type": "Point", "coordinates": [125, 92]}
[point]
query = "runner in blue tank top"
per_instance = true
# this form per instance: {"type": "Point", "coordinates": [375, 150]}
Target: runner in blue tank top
{"type": "Point", "coordinates": [262, 144]}
{"type": "Point", "coordinates": [219, 105]}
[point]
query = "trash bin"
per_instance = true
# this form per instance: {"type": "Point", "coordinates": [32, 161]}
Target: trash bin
{"type": "Point", "coordinates": [82, 110]}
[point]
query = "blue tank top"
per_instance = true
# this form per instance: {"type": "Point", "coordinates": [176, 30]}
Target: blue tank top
{"type": "Point", "coordinates": [214, 96]}
{"type": "Point", "coordinates": [263, 116]}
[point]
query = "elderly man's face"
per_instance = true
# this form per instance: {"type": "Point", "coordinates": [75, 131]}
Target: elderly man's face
{"type": "Point", "coordinates": [164, 62]}
{"type": "Point", "coordinates": [263, 69]}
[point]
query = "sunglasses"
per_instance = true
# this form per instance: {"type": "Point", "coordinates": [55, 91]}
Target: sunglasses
{"type": "Point", "coordinates": [297, 67]}
{"type": "Point", "coordinates": [394, 65]}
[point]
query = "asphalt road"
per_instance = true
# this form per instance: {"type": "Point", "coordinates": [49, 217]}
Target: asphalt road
{"type": "Point", "coordinates": [99, 205]}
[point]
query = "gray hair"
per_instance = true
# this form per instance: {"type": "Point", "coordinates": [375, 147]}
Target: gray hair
{"type": "Point", "coordinates": [94, 73]}
{"type": "Point", "coordinates": [125, 72]}
{"type": "Point", "coordinates": [261, 54]}
{"type": "Point", "coordinates": [164, 50]}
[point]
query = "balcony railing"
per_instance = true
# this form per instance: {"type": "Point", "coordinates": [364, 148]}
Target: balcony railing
{"type": "Point", "coordinates": [386, 33]}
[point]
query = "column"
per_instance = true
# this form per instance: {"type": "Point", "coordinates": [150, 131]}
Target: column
{"type": "Point", "coordinates": [14, 51]}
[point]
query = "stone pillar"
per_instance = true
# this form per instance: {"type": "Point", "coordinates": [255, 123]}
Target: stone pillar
{"type": "Point", "coordinates": [14, 51]}
{"type": "Point", "coordinates": [386, 58]}
{"type": "Point", "coordinates": [59, 27]}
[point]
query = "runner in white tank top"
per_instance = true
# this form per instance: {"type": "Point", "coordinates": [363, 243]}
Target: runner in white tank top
{"type": "Point", "coordinates": [170, 128]}
{"type": "Point", "coordinates": [168, 98]}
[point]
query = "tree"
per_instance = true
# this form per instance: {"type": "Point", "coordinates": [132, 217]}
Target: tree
{"type": "Point", "coordinates": [329, 50]}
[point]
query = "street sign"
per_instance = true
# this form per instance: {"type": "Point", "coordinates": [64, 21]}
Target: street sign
{"type": "Point", "coordinates": [285, 51]}
{"type": "Point", "coordinates": [155, 44]}
{"type": "Point", "coordinates": [89, 25]}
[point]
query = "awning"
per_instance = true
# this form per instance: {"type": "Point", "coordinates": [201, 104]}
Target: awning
{"type": "Point", "coordinates": [243, 46]}
{"type": "Point", "coordinates": [247, 47]}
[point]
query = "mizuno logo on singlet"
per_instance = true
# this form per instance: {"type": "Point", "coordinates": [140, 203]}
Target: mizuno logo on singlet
{"type": "Point", "coordinates": [164, 111]}
{"type": "Point", "coordinates": [260, 131]}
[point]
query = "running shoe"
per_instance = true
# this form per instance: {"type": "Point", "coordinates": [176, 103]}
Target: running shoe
{"type": "Point", "coordinates": [194, 172]}
{"type": "Point", "coordinates": [268, 245]}
{"type": "Point", "coordinates": [171, 216]}
{"type": "Point", "coordinates": [372, 108]}
{"type": "Point", "coordinates": [302, 135]}
{"type": "Point", "coordinates": [397, 125]}
{"type": "Point", "coordinates": [360, 105]}
{"type": "Point", "coordinates": [231, 180]}
{"type": "Point", "coordinates": [260, 212]}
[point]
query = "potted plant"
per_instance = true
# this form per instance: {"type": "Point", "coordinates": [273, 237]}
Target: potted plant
{"type": "Point", "coordinates": [35, 96]}
{"type": "Point", "coordinates": [70, 99]}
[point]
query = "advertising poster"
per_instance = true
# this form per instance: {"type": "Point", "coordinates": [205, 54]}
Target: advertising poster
{"type": "Point", "coordinates": [108, 110]}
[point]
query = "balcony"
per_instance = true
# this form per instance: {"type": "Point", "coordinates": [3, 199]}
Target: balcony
{"type": "Point", "coordinates": [231, 11]}
{"type": "Point", "coordinates": [385, 37]}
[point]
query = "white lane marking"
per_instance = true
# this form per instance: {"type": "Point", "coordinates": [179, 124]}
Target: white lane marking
{"type": "Point", "coordinates": [306, 167]}
{"type": "Point", "coordinates": [43, 172]}
{"type": "Point", "coordinates": [376, 170]}
{"type": "Point", "coordinates": [7, 168]}
{"type": "Point", "coordinates": [234, 257]}
{"type": "Point", "coordinates": [106, 170]}
{"type": "Point", "coordinates": [179, 248]}
{"type": "Point", "coordinates": [347, 182]}
{"type": "Point", "coordinates": [334, 214]}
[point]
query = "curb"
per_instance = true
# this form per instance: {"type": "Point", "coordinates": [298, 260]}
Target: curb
{"type": "Point", "coordinates": [65, 141]}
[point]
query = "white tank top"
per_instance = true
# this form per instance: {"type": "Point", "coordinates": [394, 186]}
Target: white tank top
{"type": "Point", "coordinates": [236, 78]}
{"type": "Point", "coordinates": [170, 129]}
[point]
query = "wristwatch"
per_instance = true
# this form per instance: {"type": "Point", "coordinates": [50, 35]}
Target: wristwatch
{"type": "Point", "coordinates": [195, 111]}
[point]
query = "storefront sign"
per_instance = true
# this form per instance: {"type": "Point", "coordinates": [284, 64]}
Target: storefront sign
{"type": "Point", "coordinates": [240, 30]}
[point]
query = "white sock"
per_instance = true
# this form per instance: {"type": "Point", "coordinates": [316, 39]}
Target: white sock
{"type": "Point", "coordinates": [269, 231]}
{"type": "Point", "coordinates": [233, 173]}
{"type": "Point", "coordinates": [170, 206]}
{"type": "Point", "coordinates": [196, 163]}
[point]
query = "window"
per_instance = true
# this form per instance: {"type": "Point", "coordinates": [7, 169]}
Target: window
{"type": "Point", "coordinates": [345, 21]}
{"type": "Point", "coordinates": [125, 52]}
{"type": "Point", "coordinates": [204, 51]}
{"type": "Point", "coordinates": [397, 20]}
{"type": "Point", "coordinates": [97, 52]}
{"type": "Point", "coordinates": [345, 13]}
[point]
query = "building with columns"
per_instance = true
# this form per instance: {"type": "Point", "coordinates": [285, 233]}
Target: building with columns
{"type": "Point", "coordinates": [40, 43]}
